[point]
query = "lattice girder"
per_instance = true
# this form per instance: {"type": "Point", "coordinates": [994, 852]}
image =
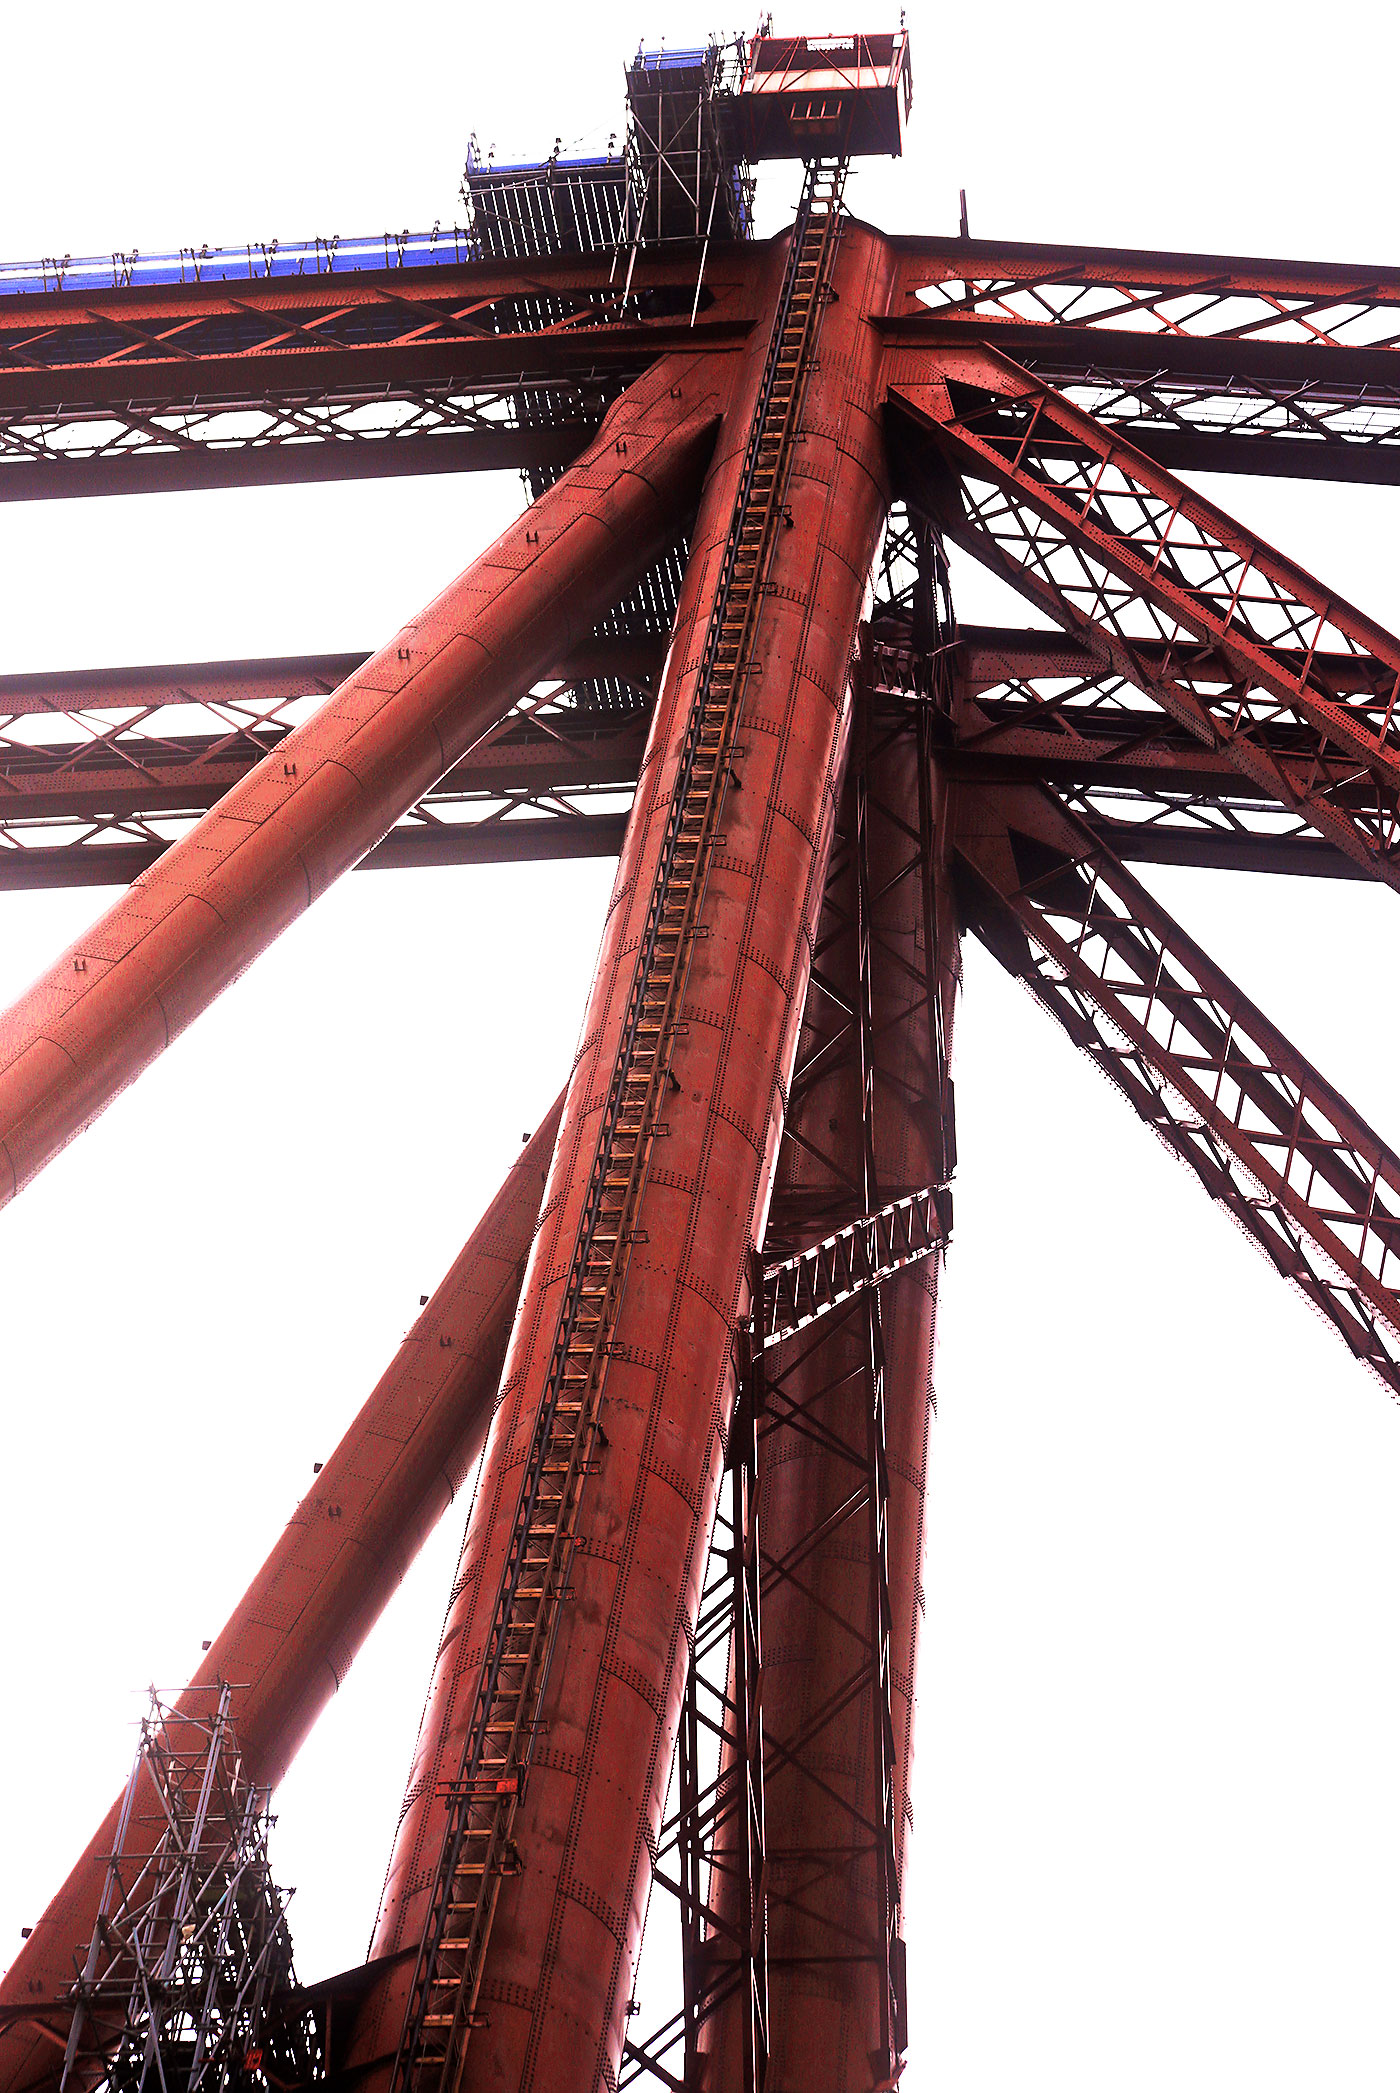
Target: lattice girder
{"type": "Point", "coordinates": [1283, 1152]}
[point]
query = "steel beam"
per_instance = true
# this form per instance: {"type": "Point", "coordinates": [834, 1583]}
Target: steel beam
{"type": "Point", "coordinates": [130, 447]}
{"type": "Point", "coordinates": [413, 844]}
{"type": "Point", "coordinates": [96, 804]}
{"type": "Point", "coordinates": [294, 1633]}
{"type": "Point", "coordinates": [335, 785]}
{"type": "Point", "coordinates": [333, 375]}
{"type": "Point", "coordinates": [102, 770]}
{"type": "Point", "coordinates": [799, 1290]}
{"type": "Point", "coordinates": [1220, 298]}
{"type": "Point", "coordinates": [232, 692]}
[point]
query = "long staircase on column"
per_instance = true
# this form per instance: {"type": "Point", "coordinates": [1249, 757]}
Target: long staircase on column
{"type": "Point", "coordinates": [478, 1851]}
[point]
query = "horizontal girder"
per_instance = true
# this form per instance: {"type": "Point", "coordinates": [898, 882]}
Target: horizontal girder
{"type": "Point", "coordinates": [1223, 298]}
{"type": "Point", "coordinates": [450, 368]}
{"type": "Point", "coordinates": [1209, 363]}
{"type": "Point", "coordinates": [102, 769]}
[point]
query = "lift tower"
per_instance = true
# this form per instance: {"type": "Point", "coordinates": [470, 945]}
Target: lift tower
{"type": "Point", "coordinates": [690, 1343]}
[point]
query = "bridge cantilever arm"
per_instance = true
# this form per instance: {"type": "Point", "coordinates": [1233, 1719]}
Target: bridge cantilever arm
{"type": "Point", "coordinates": [1296, 1168]}
{"type": "Point", "coordinates": [1114, 549]}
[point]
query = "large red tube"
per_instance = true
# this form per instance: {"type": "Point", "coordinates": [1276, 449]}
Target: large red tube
{"type": "Point", "coordinates": [829, 2029]}
{"type": "Point", "coordinates": [336, 785]}
{"type": "Point", "coordinates": [293, 1634]}
{"type": "Point", "coordinates": [563, 1949]}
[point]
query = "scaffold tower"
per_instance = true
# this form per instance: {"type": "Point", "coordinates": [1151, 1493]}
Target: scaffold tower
{"type": "Point", "coordinates": [188, 1985]}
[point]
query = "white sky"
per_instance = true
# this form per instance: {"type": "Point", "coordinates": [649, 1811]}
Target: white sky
{"type": "Point", "coordinates": [1158, 1827]}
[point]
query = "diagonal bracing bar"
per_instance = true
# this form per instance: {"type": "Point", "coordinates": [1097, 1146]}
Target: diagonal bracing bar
{"type": "Point", "coordinates": [1286, 1156]}
{"type": "Point", "coordinates": [1119, 552]}
{"type": "Point", "coordinates": [799, 1290]}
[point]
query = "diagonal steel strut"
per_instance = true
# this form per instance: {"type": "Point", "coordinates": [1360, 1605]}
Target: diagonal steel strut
{"type": "Point", "coordinates": [330, 791]}
{"type": "Point", "coordinates": [1115, 549]}
{"type": "Point", "coordinates": [1283, 1152]}
{"type": "Point", "coordinates": [801, 1289]}
{"type": "Point", "coordinates": [295, 1632]}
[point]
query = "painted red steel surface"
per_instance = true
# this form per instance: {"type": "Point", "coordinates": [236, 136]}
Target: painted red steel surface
{"type": "Point", "coordinates": [567, 1930]}
{"type": "Point", "coordinates": [293, 1635]}
{"type": "Point", "coordinates": [334, 786]}
{"type": "Point", "coordinates": [824, 1906]}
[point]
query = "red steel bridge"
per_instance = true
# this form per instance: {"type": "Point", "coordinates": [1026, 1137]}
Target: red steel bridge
{"type": "Point", "coordinates": [690, 1342]}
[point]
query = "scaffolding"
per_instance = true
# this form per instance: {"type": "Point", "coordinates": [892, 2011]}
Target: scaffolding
{"type": "Point", "coordinates": [552, 206]}
{"type": "Point", "coordinates": [188, 1984]}
{"type": "Point", "coordinates": [689, 183]}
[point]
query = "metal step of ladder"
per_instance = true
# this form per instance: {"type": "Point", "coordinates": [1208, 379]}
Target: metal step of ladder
{"type": "Point", "coordinates": [479, 1852]}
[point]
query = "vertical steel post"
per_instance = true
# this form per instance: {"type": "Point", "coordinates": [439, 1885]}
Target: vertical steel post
{"type": "Point", "coordinates": [843, 1446]}
{"type": "Point", "coordinates": [558, 1972]}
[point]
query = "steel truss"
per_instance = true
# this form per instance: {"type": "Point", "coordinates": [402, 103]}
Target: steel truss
{"type": "Point", "coordinates": [709, 1856]}
{"type": "Point", "coordinates": [103, 771]}
{"type": "Point", "coordinates": [1304, 1177]}
{"type": "Point", "coordinates": [1195, 358]}
{"type": "Point", "coordinates": [1203, 361]}
{"type": "Point", "coordinates": [764, 1919]}
{"type": "Point", "coordinates": [188, 1984]}
{"type": "Point", "coordinates": [205, 384]}
{"type": "Point", "coordinates": [1119, 553]}
{"type": "Point", "coordinates": [1202, 700]}
{"type": "Point", "coordinates": [801, 1289]}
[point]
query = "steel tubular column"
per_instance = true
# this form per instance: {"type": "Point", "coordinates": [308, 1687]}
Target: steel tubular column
{"type": "Point", "coordinates": [556, 1979]}
{"type": "Point", "coordinates": [479, 1851]}
{"type": "Point", "coordinates": [334, 786]}
{"type": "Point", "coordinates": [843, 1444]}
{"type": "Point", "coordinates": [296, 1630]}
